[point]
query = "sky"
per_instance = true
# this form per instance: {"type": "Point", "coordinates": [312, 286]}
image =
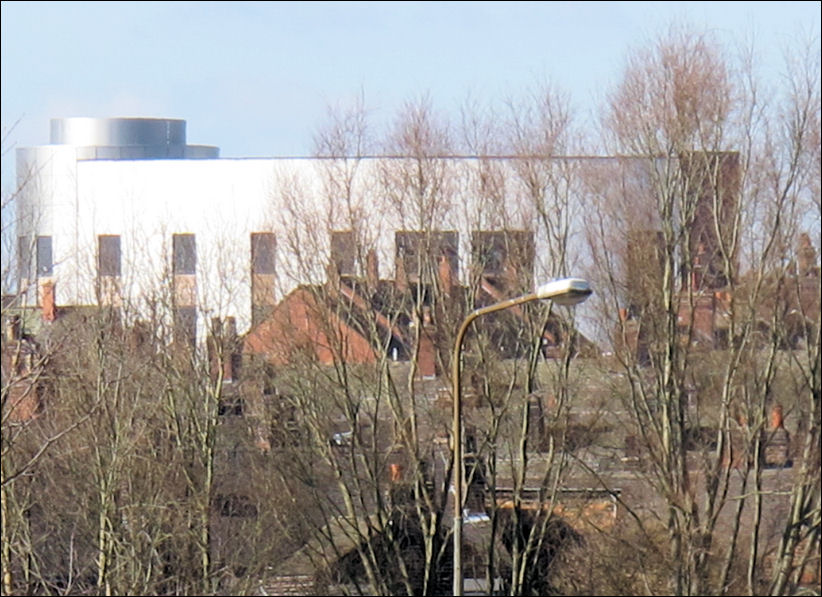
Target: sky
{"type": "Point", "coordinates": [256, 78]}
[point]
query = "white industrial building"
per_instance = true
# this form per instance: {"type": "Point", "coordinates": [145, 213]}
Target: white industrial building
{"type": "Point", "coordinates": [114, 209]}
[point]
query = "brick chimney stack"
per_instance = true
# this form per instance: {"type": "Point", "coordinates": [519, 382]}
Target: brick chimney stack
{"type": "Point", "coordinates": [777, 441]}
{"type": "Point", "coordinates": [426, 358]}
{"type": "Point", "coordinates": [222, 348]}
{"type": "Point", "coordinates": [14, 329]}
{"type": "Point", "coordinates": [446, 276]}
{"type": "Point", "coordinates": [806, 255]}
{"type": "Point", "coordinates": [400, 276]}
{"type": "Point", "coordinates": [372, 269]}
{"type": "Point", "coordinates": [47, 301]}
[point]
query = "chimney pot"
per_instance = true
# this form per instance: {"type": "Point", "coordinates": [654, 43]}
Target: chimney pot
{"type": "Point", "coordinates": [777, 419]}
{"type": "Point", "coordinates": [396, 472]}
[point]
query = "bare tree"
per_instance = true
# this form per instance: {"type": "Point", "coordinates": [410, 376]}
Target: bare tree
{"type": "Point", "coordinates": [689, 207]}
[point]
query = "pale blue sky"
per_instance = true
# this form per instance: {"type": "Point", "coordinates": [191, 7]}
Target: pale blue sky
{"type": "Point", "coordinates": [255, 78]}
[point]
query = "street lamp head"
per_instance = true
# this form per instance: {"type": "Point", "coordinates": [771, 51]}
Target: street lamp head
{"type": "Point", "coordinates": [567, 291]}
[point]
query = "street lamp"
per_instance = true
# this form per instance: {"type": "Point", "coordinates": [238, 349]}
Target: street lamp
{"type": "Point", "coordinates": [568, 291]}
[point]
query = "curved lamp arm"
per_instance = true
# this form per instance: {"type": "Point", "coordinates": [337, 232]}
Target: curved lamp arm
{"type": "Point", "coordinates": [567, 291]}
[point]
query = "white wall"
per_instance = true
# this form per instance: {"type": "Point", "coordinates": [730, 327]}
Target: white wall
{"type": "Point", "coordinates": [223, 201]}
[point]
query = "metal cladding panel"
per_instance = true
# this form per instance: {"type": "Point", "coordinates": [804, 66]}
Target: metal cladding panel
{"type": "Point", "coordinates": [202, 152]}
{"type": "Point", "coordinates": [118, 132]}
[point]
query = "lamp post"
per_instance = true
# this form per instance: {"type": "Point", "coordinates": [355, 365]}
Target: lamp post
{"type": "Point", "coordinates": [567, 291]}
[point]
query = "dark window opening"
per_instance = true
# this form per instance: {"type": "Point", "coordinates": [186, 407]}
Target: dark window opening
{"type": "Point", "coordinates": [505, 256]}
{"type": "Point", "coordinates": [263, 248]}
{"type": "Point", "coordinates": [284, 426]}
{"type": "Point", "coordinates": [344, 252]}
{"type": "Point", "coordinates": [235, 506]}
{"type": "Point", "coordinates": [230, 406]}
{"type": "Point", "coordinates": [45, 266]}
{"type": "Point", "coordinates": [419, 252]}
{"type": "Point", "coordinates": [184, 254]}
{"type": "Point", "coordinates": [24, 257]}
{"type": "Point", "coordinates": [108, 255]}
{"type": "Point", "coordinates": [721, 339]}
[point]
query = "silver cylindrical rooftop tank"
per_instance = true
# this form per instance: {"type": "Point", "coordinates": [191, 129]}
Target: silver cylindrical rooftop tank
{"type": "Point", "coordinates": [118, 132]}
{"type": "Point", "coordinates": [127, 139]}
